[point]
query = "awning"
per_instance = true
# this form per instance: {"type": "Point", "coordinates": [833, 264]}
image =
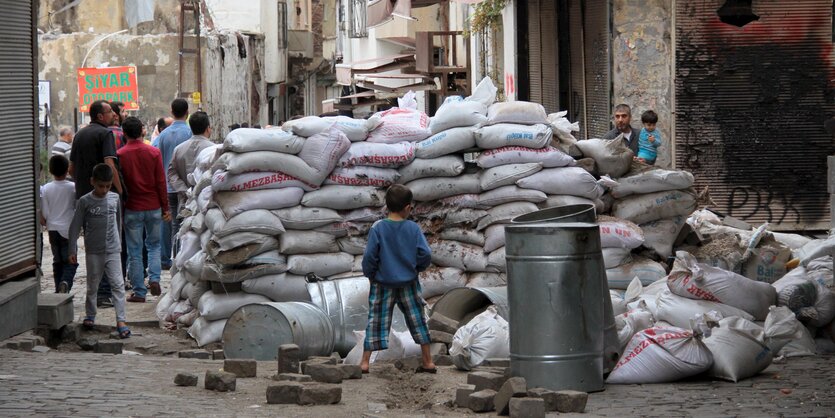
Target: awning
{"type": "Point", "coordinates": [345, 73]}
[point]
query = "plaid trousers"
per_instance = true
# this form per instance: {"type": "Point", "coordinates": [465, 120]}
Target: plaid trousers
{"type": "Point", "coordinates": [381, 301]}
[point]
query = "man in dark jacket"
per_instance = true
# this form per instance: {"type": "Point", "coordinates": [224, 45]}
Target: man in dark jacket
{"type": "Point", "coordinates": [623, 125]}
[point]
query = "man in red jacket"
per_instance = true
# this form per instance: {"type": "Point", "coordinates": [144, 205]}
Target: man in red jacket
{"type": "Point", "coordinates": [145, 209]}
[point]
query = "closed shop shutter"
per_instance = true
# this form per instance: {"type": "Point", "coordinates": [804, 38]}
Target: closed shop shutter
{"type": "Point", "coordinates": [576, 111]}
{"type": "Point", "coordinates": [550, 72]}
{"type": "Point", "coordinates": [534, 51]}
{"type": "Point", "coordinates": [18, 109]}
{"type": "Point", "coordinates": [751, 102]}
{"type": "Point", "coordinates": [597, 67]}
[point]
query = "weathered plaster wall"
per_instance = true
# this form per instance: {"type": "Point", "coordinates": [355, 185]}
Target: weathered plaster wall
{"type": "Point", "coordinates": [642, 55]}
{"type": "Point", "coordinates": [104, 16]}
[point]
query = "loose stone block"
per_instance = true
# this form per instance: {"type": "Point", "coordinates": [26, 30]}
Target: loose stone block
{"type": "Point", "coordinates": [70, 332]}
{"type": "Point", "coordinates": [497, 362]}
{"type": "Point", "coordinates": [87, 343]}
{"type": "Point", "coordinates": [527, 408]}
{"type": "Point", "coordinates": [482, 401]}
{"type": "Point", "coordinates": [185, 379]}
{"type": "Point", "coordinates": [109, 347]}
{"type": "Point", "coordinates": [284, 393]}
{"type": "Point", "coordinates": [325, 373]}
{"type": "Point", "coordinates": [442, 360]}
{"type": "Point", "coordinates": [571, 400]}
{"type": "Point", "coordinates": [241, 367]}
{"type": "Point", "coordinates": [220, 381]}
{"type": "Point", "coordinates": [486, 380]}
{"type": "Point", "coordinates": [441, 323]}
{"type": "Point", "coordinates": [515, 387]}
{"type": "Point", "coordinates": [440, 337]}
{"type": "Point", "coordinates": [350, 371]}
{"type": "Point", "coordinates": [320, 394]}
{"type": "Point", "coordinates": [289, 356]}
{"type": "Point", "coordinates": [315, 360]}
{"type": "Point", "coordinates": [218, 355]}
{"type": "Point", "coordinates": [547, 395]}
{"type": "Point", "coordinates": [198, 354]}
{"type": "Point", "coordinates": [462, 395]}
{"type": "Point", "coordinates": [293, 377]}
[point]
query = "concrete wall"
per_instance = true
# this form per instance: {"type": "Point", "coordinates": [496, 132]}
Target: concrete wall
{"type": "Point", "coordinates": [104, 16]}
{"type": "Point", "coordinates": [642, 64]}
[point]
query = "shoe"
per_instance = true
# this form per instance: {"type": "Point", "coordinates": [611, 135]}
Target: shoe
{"type": "Point", "coordinates": [166, 266]}
{"type": "Point", "coordinates": [63, 287]}
{"type": "Point", "coordinates": [154, 288]}
{"type": "Point", "coordinates": [104, 302]}
{"type": "Point", "coordinates": [134, 298]}
{"type": "Point", "coordinates": [128, 286]}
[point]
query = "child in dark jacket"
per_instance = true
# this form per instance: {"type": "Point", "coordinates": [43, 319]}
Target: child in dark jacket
{"type": "Point", "coordinates": [397, 251]}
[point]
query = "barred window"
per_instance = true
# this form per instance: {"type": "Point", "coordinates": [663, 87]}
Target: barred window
{"type": "Point", "coordinates": [358, 27]}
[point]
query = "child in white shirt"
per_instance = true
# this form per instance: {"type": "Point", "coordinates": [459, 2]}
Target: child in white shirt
{"type": "Point", "coordinates": [57, 210]}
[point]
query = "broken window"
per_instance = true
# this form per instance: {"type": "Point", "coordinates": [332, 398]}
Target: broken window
{"type": "Point", "coordinates": [358, 28]}
{"type": "Point", "coordinates": [737, 12]}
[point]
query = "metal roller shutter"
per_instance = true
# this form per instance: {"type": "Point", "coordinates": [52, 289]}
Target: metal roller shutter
{"type": "Point", "coordinates": [550, 71]}
{"type": "Point", "coordinates": [751, 103]}
{"type": "Point", "coordinates": [597, 67]}
{"type": "Point", "coordinates": [18, 110]}
{"type": "Point", "coordinates": [577, 111]}
{"type": "Point", "coordinates": [534, 51]}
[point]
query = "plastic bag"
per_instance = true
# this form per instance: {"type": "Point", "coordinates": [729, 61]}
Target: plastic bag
{"type": "Point", "coordinates": [485, 336]}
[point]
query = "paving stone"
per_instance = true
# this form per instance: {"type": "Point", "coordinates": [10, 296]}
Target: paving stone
{"type": "Point", "coordinates": [109, 347]}
{"type": "Point", "coordinates": [241, 367]}
{"type": "Point", "coordinates": [185, 379]}
{"type": "Point", "coordinates": [515, 387]}
{"type": "Point", "coordinates": [289, 356]}
{"type": "Point", "coordinates": [497, 362]}
{"type": "Point", "coordinates": [571, 401]}
{"type": "Point", "coordinates": [218, 355]}
{"type": "Point", "coordinates": [350, 371]}
{"type": "Point", "coordinates": [293, 377]}
{"type": "Point", "coordinates": [527, 408]}
{"type": "Point", "coordinates": [11, 345]}
{"type": "Point", "coordinates": [462, 395]}
{"type": "Point", "coordinates": [547, 395]}
{"type": "Point", "coordinates": [284, 393]}
{"type": "Point", "coordinates": [26, 344]}
{"type": "Point", "coordinates": [325, 373]}
{"type": "Point", "coordinates": [335, 358]}
{"type": "Point", "coordinates": [219, 381]}
{"type": "Point", "coordinates": [320, 394]}
{"type": "Point", "coordinates": [436, 349]}
{"type": "Point", "coordinates": [71, 332]}
{"type": "Point", "coordinates": [440, 337]}
{"type": "Point", "coordinates": [315, 360]}
{"type": "Point", "coordinates": [482, 401]}
{"type": "Point", "coordinates": [442, 360]}
{"type": "Point", "coordinates": [40, 349]}
{"type": "Point", "coordinates": [439, 322]}
{"type": "Point", "coordinates": [87, 343]}
{"type": "Point", "coordinates": [408, 363]}
{"type": "Point", "coordinates": [198, 354]}
{"type": "Point", "coordinates": [486, 380]}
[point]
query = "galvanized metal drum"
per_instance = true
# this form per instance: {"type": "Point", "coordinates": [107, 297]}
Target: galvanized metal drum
{"type": "Point", "coordinates": [464, 303]}
{"type": "Point", "coordinates": [584, 213]}
{"type": "Point", "coordinates": [255, 331]}
{"type": "Point", "coordinates": [556, 311]}
{"type": "Point", "coordinates": [345, 302]}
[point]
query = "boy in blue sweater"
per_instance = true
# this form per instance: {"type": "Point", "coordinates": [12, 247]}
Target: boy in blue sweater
{"type": "Point", "coordinates": [397, 251]}
{"type": "Point", "coordinates": [649, 140]}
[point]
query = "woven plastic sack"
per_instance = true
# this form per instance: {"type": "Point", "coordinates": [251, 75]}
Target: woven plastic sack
{"type": "Point", "coordinates": [549, 157]}
{"type": "Point", "coordinates": [446, 142]}
{"type": "Point", "coordinates": [661, 355]}
{"type": "Point", "coordinates": [400, 125]}
{"type": "Point", "coordinates": [485, 336]}
{"type": "Point", "coordinates": [508, 134]}
{"type": "Point", "coordinates": [519, 112]}
{"type": "Point", "coordinates": [378, 155]}
{"type": "Point", "coordinates": [446, 166]}
{"type": "Point", "coordinates": [250, 139]}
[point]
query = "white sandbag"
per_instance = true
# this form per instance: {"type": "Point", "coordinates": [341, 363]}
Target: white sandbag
{"type": "Point", "coordinates": [378, 155]}
{"type": "Point", "coordinates": [242, 272]}
{"type": "Point", "coordinates": [206, 332]}
{"type": "Point", "coordinates": [177, 310]}
{"type": "Point", "coordinates": [496, 261]}
{"type": "Point", "coordinates": [661, 355]}
{"type": "Point", "coordinates": [563, 128]}
{"type": "Point", "coordinates": [259, 221]}
{"type": "Point", "coordinates": [363, 176]}
{"type": "Point", "coordinates": [446, 166]}
{"type": "Point", "coordinates": [456, 114]}
{"type": "Point", "coordinates": [354, 245]}
{"type": "Point", "coordinates": [618, 303]}
{"type": "Point", "coordinates": [436, 281]}
{"type": "Point", "coordinates": [615, 257]}
{"type": "Point", "coordinates": [463, 201]}
{"type": "Point", "coordinates": [163, 305]}
{"type": "Point", "coordinates": [204, 200]}
{"type": "Point", "coordinates": [738, 353]}
{"type": "Point", "coordinates": [519, 112]}
{"type": "Point", "coordinates": [612, 156]}
{"type": "Point", "coordinates": [278, 287]}
{"type": "Point", "coordinates": [188, 319]}
{"type": "Point", "coordinates": [189, 245]}
{"type": "Point", "coordinates": [494, 237]}
{"type": "Point", "coordinates": [502, 214]}
{"type": "Point", "coordinates": [802, 346]}
{"type": "Point", "coordinates": [269, 161]}
{"type": "Point", "coordinates": [198, 224]}
{"type": "Point", "coordinates": [178, 281]}
{"type": "Point", "coordinates": [508, 135]}
{"type": "Point", "coordinates": [207, 157]}
{"type": "Point", "coordinates": [354, 129]}
{"type": "Point", "coordinates": [323, 265]}
{"type": "Point", "coordinates": [506, 175]}
{"type": "Point", "coordinates": [372, 214]}
{"type": "Point", "coordinates": [678, 310]}
{"type": "Point", "coordinates": [322, 151]}
{"type": "Point", "coordinates": [487, 279]}
{"type": "Point", "coordinates": [251, 139]}
{"type": "Point", "coordinates": [694, 280]}
{"type": "Point", "coordinates": [344, 197]}
{"type": "Point", "coordinates": [650, 207]}
{"type": "Point", "coordinates": [446, 142]}
{"type": "Point", "coordinates": [619, 233]}
{"type": "Point", "coordinates": [428, 189]}
{"type": "Point", "coordinates": [194, 291]}
{"type": "Point", "coordinates": [485, 336]}
{"type": "Point", "coordinates": [465, 235]}
{"type": "Point", "coordinates": [548, 156]}
{"type": "Point", "coordinates": [463, 217]}
{"type": "Point", "coordinates": [484, 93]}
{"type": "Point", "coordinates": [304, 218]}
{"type": "Point", "coordinates": [238, 240]}
{"type": "Point", "coordinates": [400, 125]}
{"type": "Point", "coordinates": [508, 194]}
{"type": "Point", "coordinates": [459, 255]}
{"type": "Point", "coordinates": [657, 180]}
{"type": "Point", "coordinates": [566, 200]}
{"type": "Point", "coordinates": [400, 345]}
{"type": "Point", "coordinates": [572, 181]}
{"type": "Point", "coordinates": [307, 242]}
{"type": "Point", "coordinates": [631, 322]}
{"type": "Point", "coordinates": [793, 241]}
{"type": "Point", "coordinates": [272, 257]}
{"type": "Point", "coordinates": [342, 229]}
{"type": "Point", "coordinates": [193, 267]}
{"type": "Point", "coordinates": [215, 306]}
{"type": "Point", "coordinates": [233, 203]}
{"type": "Point", "coordinates": [766, 259]}
{"type": "Point", "coordinates": [660, 235]}
{"type": "Point", "coordinates": [224, 181]}
{"type": "Point", "coordinates": [782, 328]}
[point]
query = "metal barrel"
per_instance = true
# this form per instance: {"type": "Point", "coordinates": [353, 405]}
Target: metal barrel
{"type": "Point", "coordinates": [345, 303]}
{"type": "Point", "coordinates": [255, 331]}
{"type": "Point", "coordinates": [464, 303]}
{"type": "Point", "coordinates": [556, 314]}
{"type": "Point", "coordinates": [584, 213]}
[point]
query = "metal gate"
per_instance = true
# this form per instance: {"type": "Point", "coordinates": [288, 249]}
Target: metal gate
{"type": "Point", "coordinates": [754, 86]}
{"type": "Point", "coordinates": [18, 136]}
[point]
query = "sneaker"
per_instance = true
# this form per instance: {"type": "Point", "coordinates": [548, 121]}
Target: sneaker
{"type": "Point", "coordinates": [134, 298]}
{"type": "Point", "coordinates": [63, 287]}
{"type": "Point", "coordinates": [154, 288]}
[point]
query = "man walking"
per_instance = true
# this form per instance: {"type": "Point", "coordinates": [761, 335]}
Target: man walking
{"type": "Point", "coordinates": [172, 136]}
{"type": "Point", "coordinates": [623, 125]}
{"type": "Point", "coordinates": [145, 208]}
{"type": "Point", "coordinates": [64, 144]}
{"type": "Point", "coordinates": [185, 155]}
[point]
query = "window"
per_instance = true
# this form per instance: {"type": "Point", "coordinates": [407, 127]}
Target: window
{"type": "Point", "coordinates": [282, 25]}
{"type": "Point", "coordinates": [358, 19]}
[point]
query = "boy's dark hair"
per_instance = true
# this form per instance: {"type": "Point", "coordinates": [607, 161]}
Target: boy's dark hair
{"type": "Point", "coordinates": [58, 165]}
{"type": "Point", "coordinates": [398, 197]}
{"type": "Point", "coordinates": [245, 125]}
{"type": "Point", "coordinates": [649, 117]}
{"type": "Point", "coordinates": [97, 108]}
{"type": "Point", "coordinates": [199, 123]}
{"type": "Point", "coordinates": [117, 108]}
{"type": "Point", "coordinates": [132, 127]}
{"type": "Point", "coordinates": [102, 172]}
{"type": "Point", "coordinates": [179, 108]}
{"type": "Point", "coordinates": [234, 126]}
{"type": "Point", "coordinates": [161, 124]}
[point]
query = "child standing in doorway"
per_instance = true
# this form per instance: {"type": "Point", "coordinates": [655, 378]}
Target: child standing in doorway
{"type": "Point", "coordinates": [650, 139]}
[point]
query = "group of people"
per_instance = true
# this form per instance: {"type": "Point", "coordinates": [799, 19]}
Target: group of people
{"type": "Point", "coordinates": [643, 142]}
{"type": "Point", "coordinates": [125, 195]}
